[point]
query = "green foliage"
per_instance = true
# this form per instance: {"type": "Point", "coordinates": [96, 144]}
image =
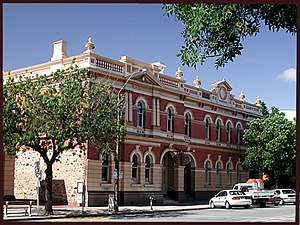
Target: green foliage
{"type": "Point", "coordinates": [271, 144]}
{"type": "Point", "coordinates": [57, 113]}
{"type": "Point", "coordinates": [217, 30]}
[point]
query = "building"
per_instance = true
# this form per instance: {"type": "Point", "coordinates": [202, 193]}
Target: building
{"type": "Point", "coordinates": [182, 141]}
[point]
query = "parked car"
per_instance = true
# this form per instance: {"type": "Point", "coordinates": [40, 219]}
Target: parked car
{"type": "Point", "coordinates": [286, 196]}
{"type": "Point", "coordinates": [229, 198]}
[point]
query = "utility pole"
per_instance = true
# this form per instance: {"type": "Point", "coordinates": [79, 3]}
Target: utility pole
{"type": "Point", "coordinates": [117, 153]}
{"type": "Point", "coordinates": [37, 173]}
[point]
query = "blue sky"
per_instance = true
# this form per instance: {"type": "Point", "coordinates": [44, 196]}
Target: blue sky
{"type": "Point", "coordinates": [264, 69]}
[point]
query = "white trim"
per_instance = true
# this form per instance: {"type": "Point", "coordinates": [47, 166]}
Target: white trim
{"type": "Point", "coordinates": [222, 165]}
{"type": "Point", "coordinates": [229, 121]}
{"type": "Point", "coordinates": [141, 98]}
{"type": "Point", "coordinates": [142, 143]}
{"type": "Point", "coordinates": [173, 108]}
{"type": "Point", "coordinates": [207, 115]}
{"type": "Point", "coordinates": [229, 162]}
{"type": "Point", "coordinates": [151, 155]}
{"type": "Point", "coordinates": [219, 118]}
{"type": "Point", "coordinates": [138, 152]}
{"type": "Point", "coordinates": [211, 164]}
{"type": "Point", "coordinates": [239, 123]}
{"type": "Point", "coordinates": [188, 111]}
{"type": "Point", "coordinates": [192, 156]}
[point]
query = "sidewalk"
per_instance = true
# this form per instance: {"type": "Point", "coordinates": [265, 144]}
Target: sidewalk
{"type": "Point", "coordinates": [67, 212]}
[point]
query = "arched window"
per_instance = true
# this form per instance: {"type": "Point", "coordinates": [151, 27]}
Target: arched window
{"type": "Point", "coordinates": [229, 172]}
{"type": "Point", "coordinates": [229, 132]}
{"type": "Point", "coordinates": [238, 133]}
{"type": "Point", "coordinates": [148, 169]}
{"type": "Point", "coordinates": [239, 173]}
{"type": "Point", "coordinates": [219, 175]}
{"type": "Point", "coordinates": [219, 131]}
{"type": "Point", "coordinates": [207, 172]}
{"type": "Point", "coordinates": [105, 166]}
{"type": "Point", "coordinates": [135, 169]}
{"type": "Point", "coordinates": [170, 119]}
{"type": "Point", "coordinates": [187, 124]}
{"type": "Point", "coordinates": [207, 128]}
{"type": "Point", "coordinates": [140, 114]}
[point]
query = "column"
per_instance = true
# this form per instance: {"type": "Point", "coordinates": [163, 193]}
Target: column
{"type": "Point", "coordinates": [154, 111]}
{"type": "Point", "coordinates": [158, 112]}
{"type": "Point", "coordinates": [130, 107]}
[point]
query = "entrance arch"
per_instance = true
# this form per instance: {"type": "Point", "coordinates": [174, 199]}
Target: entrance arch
{"type": "Point", "coordinates": [178, 174]}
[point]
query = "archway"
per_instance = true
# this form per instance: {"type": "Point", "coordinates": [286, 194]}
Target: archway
{"type": "Point", "coordinates": [189, 175]}
{"type": "Point", "coordinates": [168, 162]}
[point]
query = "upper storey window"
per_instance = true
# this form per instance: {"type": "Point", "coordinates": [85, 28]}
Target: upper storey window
{"type": "Point", "coordinates": [187, 124]}
{"type": "Point", "coordinates": [207, 128]}
{"type": "Point", "coordinates": [219, 130]}
{"type": "Point", "coordinates": [238, 133]}
{"type": "Point", "coordinates": [229, 132]}
{"type": "Point", "coordinates": [140, 114]}
{"type": "Point", "coordinates": [170, 119]}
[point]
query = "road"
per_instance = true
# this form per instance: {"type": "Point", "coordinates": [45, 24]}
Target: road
{"type": "Point", "coordinates": [284, 213]}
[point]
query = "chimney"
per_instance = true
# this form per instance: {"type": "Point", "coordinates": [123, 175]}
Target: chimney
{"type": "Point", "coordinates": [59, 50]}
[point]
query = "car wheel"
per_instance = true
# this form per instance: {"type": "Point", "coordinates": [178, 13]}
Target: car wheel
{"type": "Point", "coordinates": [212, 205]}
{"type": "Point", "coordinates": [246, 206]}
{"type": "Point", "coordinates": [276, 204]}
{"type": "Point", "coordinates": [281, 202]}
{"type": "Point", "coordinates": [227, 205]}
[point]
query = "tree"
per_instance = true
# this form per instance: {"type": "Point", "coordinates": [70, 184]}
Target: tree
{"type": "Point", "coordinates": [271, 144]}
{"type": "Point", "coordinates": [218, 30]}
{"type": "Point", "coordinates": [53, 114]}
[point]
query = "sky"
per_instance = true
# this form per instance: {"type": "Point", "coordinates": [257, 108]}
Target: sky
{"type": "Point", "coordinates": [266, 68]}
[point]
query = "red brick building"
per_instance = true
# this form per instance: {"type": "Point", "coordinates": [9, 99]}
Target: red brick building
{"type": "Point", "coordinates": [182, 141]}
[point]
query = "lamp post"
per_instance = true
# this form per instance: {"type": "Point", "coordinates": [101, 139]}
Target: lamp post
{"type": "Point", "coordinates": [117, 153]}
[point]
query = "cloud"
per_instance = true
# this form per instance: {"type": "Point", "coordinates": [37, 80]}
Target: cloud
{"type": "Point", "coordinates": [288, 75]}
{"type": "Point", "coordinates": [289, 114]}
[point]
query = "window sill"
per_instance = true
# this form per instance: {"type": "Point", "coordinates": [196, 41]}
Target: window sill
{"type": "Point", "coordinates": [149, 185]}
{"type": "Point", "coordinates": [105, 184]}
{"type": "Point", "coordinates": [136, 185]}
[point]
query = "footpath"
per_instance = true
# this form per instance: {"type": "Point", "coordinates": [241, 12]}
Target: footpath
{"type": "Point", "coordinates": [69, 212]}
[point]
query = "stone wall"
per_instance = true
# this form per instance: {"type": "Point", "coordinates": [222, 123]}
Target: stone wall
{"type": "Point", "coordinates": [67, 172]}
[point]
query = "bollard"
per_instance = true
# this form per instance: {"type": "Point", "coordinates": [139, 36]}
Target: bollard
{"type": "Point", "coordinates": [151, 199]}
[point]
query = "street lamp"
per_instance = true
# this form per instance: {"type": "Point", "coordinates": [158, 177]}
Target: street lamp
{"type": "Point", "coordinates": [117, 153]}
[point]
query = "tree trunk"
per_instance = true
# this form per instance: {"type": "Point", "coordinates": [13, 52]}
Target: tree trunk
{"type": "Point", "coordinates": [48, 190]}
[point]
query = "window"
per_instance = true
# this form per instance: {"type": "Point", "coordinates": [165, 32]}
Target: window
{"type": "Point", "coordinates": [187, 124]}
{"type": "Point", "coordinates": [219, 131]}
{"type": "Point", "coordinates": [140, 114]}
{"type": "Point", "coordinates": [105, 168]}
{"type": "Point", "coordinates": [135, 168]}
{"type": "Point", "coordinates": [229, 133]}
{"type": "Point", "coordinates": [239, 173]}
{"type": "Point", "coordinates": [229, 173]}
{"type": "Point", "coordinates": [238, 133]}
{"type": "Point", "coordinates": [148, 169]}
{"type": "Point", "coordinates": [207, 172]}
{"type": "Point", "coordinates": [207, 128]}
{"type": "Point", "coordinates": [170, 119]}
{"type": "Point", "coordinates": [219, 175]}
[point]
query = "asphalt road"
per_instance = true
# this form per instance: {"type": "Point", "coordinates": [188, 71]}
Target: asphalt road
{"type": "Point", "coordinates": [284, 213]}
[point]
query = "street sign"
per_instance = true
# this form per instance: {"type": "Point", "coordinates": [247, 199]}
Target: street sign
{"type": "Point", "coordinates": [79, 187]}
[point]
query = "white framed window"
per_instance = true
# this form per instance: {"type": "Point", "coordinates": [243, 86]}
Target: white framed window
{"type": "Point", "coordinates": [170, 119]}
{"type": "Point", "coordinates": [219, 131]}
{"type": "Point", "coordinates": [229, 132]}
{"type": "Point", "coordinates": [148, 169]}
{"type": "Point", "coordinates": [105, 166]}
{"type": "Point", "coordinates": [229, 172]}
{"type": "Point", "coordinates": [238, 134]}
{"type": "Point", "coordinates": [218, 173]}
{"type": "Point", "coordinates": [207, 128]}
{"type": "Point", "coordinates": [187, 124]}
{"type": "Point", "coordinates": [135, 169]}
{"type": "Point", "coordinates": [140, 114]}
{"type": "Point", "coordinates": [207, 167]}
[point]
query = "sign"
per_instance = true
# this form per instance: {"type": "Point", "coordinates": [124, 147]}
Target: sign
{"type": "Point", "coordinates": [79, 187]}
{"type": "Point", "coordinates": [37, 171]}
{"type": "Point", "coordinates": [116, 175]}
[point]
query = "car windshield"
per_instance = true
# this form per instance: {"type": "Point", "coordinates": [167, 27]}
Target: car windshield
{"type": "Point", "coordinates": [236, 193]}
{"type": "Point", "coordinates": [288, 191]}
